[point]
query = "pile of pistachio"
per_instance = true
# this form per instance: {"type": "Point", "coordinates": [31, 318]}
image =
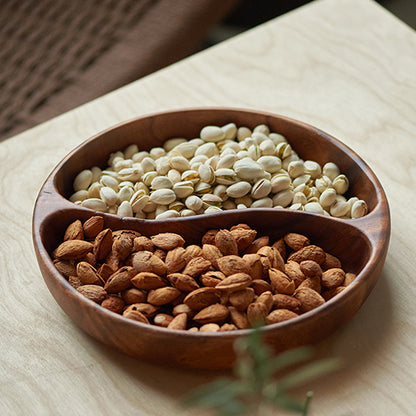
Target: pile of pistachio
{"type": "Point", "coordinates": [225, 168]}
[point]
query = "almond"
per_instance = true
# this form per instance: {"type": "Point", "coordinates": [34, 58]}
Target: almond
{"type": "Point", "coordinates": [122, 246]}
{"type": "Point", "coordinates": [280, 315]}
{"type": "Point", "coordinates": [201, 298]}
{"type": "Point", "coordinates": [333, 278]}
{"type": "Point", "coordinates": [331, 262]}
{"type": "Point", "coordinates": [309, 299]}
{"type": "Point", "coordinates": [292, 269]}
{"type": "Point", "coordinates": [167, 241]}
{"type": "Point", "coordinates": [65, 267]}
{"type": "Point", "coordinates": [242, 226]}
{"type": "Point", "coordinates": [175, 260]}
{"type": "Point", "coordinates": [281, 247]}
{"type": "Point", "coordinates": [209, 237]}
{"type": "Point", "coordinates": [141, 261]}
{"type": "Point", "coordinates": [226, 243]}
{"type": "Point", "coordinates": [74, 281]}
{"type": "Point", "coordinates": [179, 322]}
{"type": "Point", "coordinates": [256, 314]}
{"type": "Point", "coordinates": [310, 252]}
{"type": "Point", "coordinates": [329, 294]}
{"type": "Point", "coordinates": [74, 231]}
{"type": "Point", "coordinates": [133, 295]}
{"type": "Point", "coordinates": [182, 308]}
{"type": "Point", "coordinates": [349, 277]}
{"type": "Point", "coordinates": [162, 319]}
{"type": "Point", "coordinates": [93, 292]}
{"type": "Point", "coordinates": [90, 258]}
{"type": "Point", "coordinates": [211, 279]}
{"type": "Point", "coordinates": [103, 244]}
{"type": "Point", "coordinates": [260, 286]}
{"type": "Point", "coordinates": [310, 268]}
{"type": "Point", "coordinates": [113, 303]}
{"type": "Point", "coordinates": [157, 265]}
{"type": "Point", "coordinates": [196, 266]}
{"type": "Point", "coordinates": [232, 264]}
{"type": "Point", "coordinates": [313, 283]}
{"type": "Point", "coordinates": [257, 244]}
{"type": "Point", "coordinates": [296, 241]}
{"type": "Point", "coordinates": [281, 282]}
{"type": "Point", "coordinates": [143, 243]}
{"type": "Point", "coordinates": [88, 274]}
{"type": "Point", "coordinates": [135, 315]}
{"type": "Point", "coordinates": [73, 249]}
{"type": "Point", "coordinates": [163, 295]}
{"type": "Point", "coordinates": [160, 253]}
{"type": "Point", "coordinates": [274, 257]}
{"type": "Point", "coordinates": [240, 299]}
{"type": "Point", "coordinates": [281, 301]}
{"type": "Point", "coordinates": [238, 318]}
{"type": "Point", "coordinates": [191, 252]}
{"type": "Point", "coordinates": [266, 298]}
{"type": "Point", "coordinates": [235, 282]}
{"type": "Point", "coordinates": [255, 267]}
{"type": "Point", "coordinates": [120, 280]}
{"type": "Point", "coordinates": [211, 253]}
{"type": "Point", "coordinates": [243, 237]}
{"type": "Point", "coordinates": [228, 327]}
{"type": "Point", "coordinates": [183, 282]}
{"type": "Point", "coordinates": [146, 309]}
{"type": "Point", "coordinates": [148, 280]}
{"type": "Point", "coordinates": [211, 314]}
{"type": "Point", "coordinates": [209, 328]}
{"type": "Point", "coordinates": [105, 271]}
{"type": "Point", "coordinates": [93, 226]}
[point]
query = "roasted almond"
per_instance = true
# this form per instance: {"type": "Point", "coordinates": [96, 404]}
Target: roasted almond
{"type": "Point", "coordinates": [93, 292]}
{"type": "Point", "coordinates": [209, 237]}
{"type": "Point", "coordinates": [238, 318]}
{"type": "Point", "coordinates": [292, 269]}
{"type": "Point", "coordinates": [280, 245]}
{"type": "Point", "coordinates": [167, 241]}
{"type": "Point", "coordinates": [228, 327]}
{"type": "Point", "coordinates": [313, 283]}
{"type": "Point", "coordinates": [281, 301]}
{"type": "Point", "coordinates": [232, 264]}
{"type": "Point", "coordinates": [143, 243]}
{"type": "Point", "coordinates": [211, 314]}
{"type": "Point", "coordinates": [197, 266]}
{"type": "Point", "coordinates": [310, 268]}
{"type": "Point", "coordinates": [74, 231]}
{"type": "Point", "coordinates": [310, 252]}
{"type": "Point", "coordinates": [113, 303]}
{"type": "Point", "coordinates": [103, 244]}
{"type": "Point", "coordinates": [183, 281]}
{"type": "Point", "coordinates": [256, 314]}
{"type": "Point", "coordinates": [146, 309]}
{"type": "Point", "coordinates": [333, 278]}
{"type": "Point", "coordinates": [243, 237]}
{"type": "Point", "coordinates": [179, 322]}
{"type": "Point", "coordinates": [309, 299]}
{"type": "Point", "coordinates": [93, 226]}
{"type": "Point", "coordinates": [163, 295]}
{"type": "Point", "coordinates": [331, 262]}
{"type": "Point", "coordinates": [148, 280]}
{"type": "Point", "coordinates": [105, 271]}
{"type": "Point", "coordinates": [73, 249]}
{"type": "Point", "coordinates": [255, 267]}
{"type": "Point", "coordinates": [133, 295]}
{"type": "Point", "coordinates": [349, 278]}
{"type": "Point", "coordinates": [191, 252]}
{"type": "Point", "coordinates": [266, 298]}
{"type": "Point", "coordinates": [260, 286]}
{"type": "Point", "coordinates": [175, 260]}
{"type": "Point", "coordinates": [88, 274]}
{"type": "Point", "coordinates": [329, 294]}
{"type": "Point", "coordinates": [275, 259]}
{"type": "Point", "coordinates": [65, 267]}
{"type": "Point", "coordinates": [209, 328]}
{"type": "Point", "coordinates": [131, 313]}
{"type": "Point", "coordinates": [226, 243]}
{"type": "Point", "coordinates": [120, 280]}
{"type": "Point", "coordinates": [235, 282]}
{"type": "Point", "coordinates": [212, 278]}
{"type": "Point", "coordinates": [257, 244]}
{"type": "Point", "coordinates": [162, 319]}
{"type": "Point", "coordinates": [201, 298]}
{"type": "Point", "coordinates": [74, 281]}
{"type": "Point", "coordinates": [211, 253]}
{"type": "Point", "coordinates": [280, 315]}
{"type": "Point", "coordinates": [281, 282]}
{"type": "Point", "coordinates": [296, 241]}
{"type": "Point", "coordinates": [122, 246]}
{"type": "Point", "coordinates": [240, 299]}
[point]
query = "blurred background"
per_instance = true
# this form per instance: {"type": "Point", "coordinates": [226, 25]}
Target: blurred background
{"type": "Point", "coordinates": [57, 54]}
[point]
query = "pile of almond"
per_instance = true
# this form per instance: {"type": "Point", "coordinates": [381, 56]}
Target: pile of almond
{"type": "Point", "coordinates": [234, 279]}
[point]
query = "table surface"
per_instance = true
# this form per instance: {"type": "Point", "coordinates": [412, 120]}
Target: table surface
{"type": "Point", "coordinates": [346, 66]}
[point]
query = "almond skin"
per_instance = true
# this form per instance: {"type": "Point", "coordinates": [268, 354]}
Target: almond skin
{"type": "Point", "coordinates": [309, 299]}
{"type": "Point", "coordinates": [281, 282]}
{"type": "Point", "coordinates": [256, 314]}
{"type": "Point", "coordinates": [212, 253]}
{"type": "Point", "coordinates": [257, 244]}
{"type": "Point", "coordinates": [148, 280]}
{"type": "Point", "coordinates": [135, 315]}
{"type": "Point", "coordinates": [310, 268]}
{"type": "Point", "coordinates": [238, 318]}
{"type": "Point", "coordinates": [201, 298]}
{"type": "Point", "coordinates": [179, 322]}
{"type": "Point", "coordinates": [163, 295]}
{"type": "Point", "coordinates": [281, 301]}
{"type": "Point", "coordinates": [333, 278]}
{"type": "Point", "coordinates": [175, 260]}
{"type": "Point", "coordinates": [310, 252]}
{"type": "Point", "coordinates": [183, 282]}
{"type": "Point", "coordinates": [197, 266]}
{"type": "Point", "coordinates": [113, 303]}
{"type": "Point", "coordinates": [243, 237]}
{"type": "Point", "coordinates": [120, 280]}
{"type": "Point", "coordinates": [242, 298]}
{"type": "Point", "coordinates": [292, 269]}
{"type": "Point", "coordinates": [88, 274]}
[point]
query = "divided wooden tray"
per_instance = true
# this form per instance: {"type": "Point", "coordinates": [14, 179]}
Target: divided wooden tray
{"type": "Point", "coordinates": [361, 244]}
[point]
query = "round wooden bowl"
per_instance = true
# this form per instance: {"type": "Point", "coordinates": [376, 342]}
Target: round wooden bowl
{"type": "Point", "coordinates": [360, 244]}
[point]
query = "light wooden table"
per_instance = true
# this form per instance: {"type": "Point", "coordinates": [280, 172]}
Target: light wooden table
{"type": "Point", "coordinates": [346, 66]}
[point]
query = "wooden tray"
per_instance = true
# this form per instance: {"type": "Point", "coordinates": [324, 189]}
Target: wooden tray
{"type": "Point", "coordinates": [361, 244]}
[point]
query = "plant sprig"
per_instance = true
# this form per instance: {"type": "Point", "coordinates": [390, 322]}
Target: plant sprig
{"type": "Point", "coordinates": [258, 385]}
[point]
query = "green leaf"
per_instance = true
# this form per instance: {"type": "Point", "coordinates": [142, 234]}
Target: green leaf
{"type": "Point", "coordinates": [214, 394]}
{"type": "Point", "coordinates": [308, 372]}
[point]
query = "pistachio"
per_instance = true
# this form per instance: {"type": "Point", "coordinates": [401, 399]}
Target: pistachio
{"type": "Point", "coordinates": [94, 203]}
{"type": "Point", "coordinates": [248, 169]}
{"type": "Point", "coordinates": [108, 195]}
{"type": "Point", "coordinates": [125, 209]}
{"type": "Point", "coordinates": [226, 161]}
{"type": "Point", "coordinates": [206, 174]}
{"type": "Point", "coordinates": [139, 200]}
{"type": "Point", "coordinates": [242, 133]}
{"type": "Point", "coordinates": [314, 207]}
{"type": "Point", "coordinates": [238, 189]}
{"type": "Point", "coordinates": [261, 189]}
{"type": "Point", "coordinates": [230, 131]}
{"type": "Point", "coordinates": [225, 176]}
{"type": "Point", "coordinates": [339, 208]}
{"type": "Point", "coordinates": [161, 182]}
{"type": "Point", "coordinates": [330, 170]}
{"type": "Point", "coordinates": [207, 149]}
{"type": "Point", "coordinates": [283, 198]}
{"type": "Point", "coordinates": [340, 184]}
{"type": "Point", "coordinates": [183, 189]}
{"type": "Point", "coordinates": [359, 209]}
{"type": "Point", "coordinates": [262, 203]}
{"type": "Point", "coordinates": [328, 197]}
{"type": "Point", "coordinates": [280, 182]}
{"type": "Point", "coordinates": [271, 164]}
{"type": "Point", "coordinates": [194, 203]}
{"type": "Point", "coordinates": [83, 180]}
{"type": "Point", "coordinates": [162, 196]}
{"type": "Point", "coordinates": [180, 163]}
{"type": "Point", "coordinates": [212, 134]}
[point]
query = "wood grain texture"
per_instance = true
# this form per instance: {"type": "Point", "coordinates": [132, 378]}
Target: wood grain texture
{"type": "Point", "coordinates": [345, 66]}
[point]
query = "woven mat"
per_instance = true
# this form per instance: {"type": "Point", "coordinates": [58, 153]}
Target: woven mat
{"type": "Point", "coordinates": [58, 54]}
